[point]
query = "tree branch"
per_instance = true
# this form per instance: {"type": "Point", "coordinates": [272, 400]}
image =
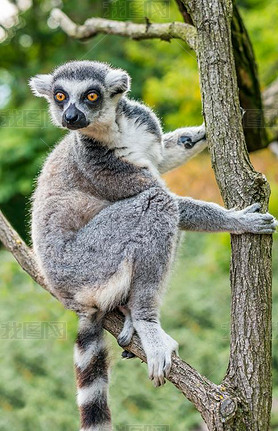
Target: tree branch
{"type": "Point", "coordinates": [94, 26]}
{"type": "Point", "coordinates": [270, 99]}
{"type": "Point", "coordinates": [248, 83]}
{"type": "Point", "coordinates": [22, 253]}
{"type": "Point", "coordinates": [204, 394]}
{"type": "Point", "coordinates": [183, 10]}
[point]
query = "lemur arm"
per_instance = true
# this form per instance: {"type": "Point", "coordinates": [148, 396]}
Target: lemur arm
{"type": "Point", "coordinates": [203, 216]}
{"type": "Point", "coordinates": [195, 215]}
{"type": "Point", "coordinates": [181, 145]}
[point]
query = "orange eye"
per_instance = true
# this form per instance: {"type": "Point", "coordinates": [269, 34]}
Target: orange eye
{"type": "Point", "coordinates": [60, 97]}
{"type": "Point", "coordinates": [92, 97]}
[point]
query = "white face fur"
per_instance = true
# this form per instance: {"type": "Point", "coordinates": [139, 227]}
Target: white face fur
{"type": "Point", "coordinates": [79, 93]}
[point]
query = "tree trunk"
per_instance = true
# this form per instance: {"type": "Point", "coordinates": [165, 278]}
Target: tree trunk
{"type": "Point", "coordinates": [248, 81]}
{"type": "Point", "coordinates": [249, 371]}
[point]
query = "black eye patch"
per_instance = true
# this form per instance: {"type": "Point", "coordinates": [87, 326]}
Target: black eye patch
{"type": "Point", "coordinates": [57, 95]}
{"type": "Point", "coordinates": [92, 96]}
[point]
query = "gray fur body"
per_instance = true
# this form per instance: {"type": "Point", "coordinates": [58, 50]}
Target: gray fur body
{"type": "Point", "coordinates": [104, 226]}
{"type": "Point", "coordinates": [93, 213]}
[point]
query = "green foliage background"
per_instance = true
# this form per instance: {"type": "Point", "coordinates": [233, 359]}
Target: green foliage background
{"type": "Point", "coordinates": [36, 375]}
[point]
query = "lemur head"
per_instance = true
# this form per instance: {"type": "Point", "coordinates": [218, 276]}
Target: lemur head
{"type": "Point", "coordinates": [81, 92]}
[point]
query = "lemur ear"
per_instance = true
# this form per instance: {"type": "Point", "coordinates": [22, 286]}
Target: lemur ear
{"type": "Point", "coordinates": [41, 85]}
{"type": "Point", "coordinates": [118, 82]}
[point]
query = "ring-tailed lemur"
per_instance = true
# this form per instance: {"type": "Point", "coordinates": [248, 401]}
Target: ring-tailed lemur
{"type": "Point", "coordinates": [105, 227]}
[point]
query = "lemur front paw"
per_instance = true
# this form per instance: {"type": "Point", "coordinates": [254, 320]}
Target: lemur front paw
{"type": "Point", "coordinates": [251, 221]}
{"type": "Point", "coordinates": [194, 135]}
{"type": "Point", "coordinates": [159, 358]}
{"type": "Point", "coordinates": [186, 141]}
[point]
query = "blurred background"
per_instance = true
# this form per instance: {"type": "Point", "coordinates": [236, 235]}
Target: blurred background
{"type": "Point", "coordinates": [37, 390]}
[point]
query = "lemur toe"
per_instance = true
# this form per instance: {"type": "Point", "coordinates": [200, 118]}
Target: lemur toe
{"type": "Point", "coordinates": [167, 366]}
{"type": "Point", "coordinates": [125, 337]}
{"type": "Point", "coordinates": [127, 332]}
{"type": "Point", "coordinates": [252, 208]}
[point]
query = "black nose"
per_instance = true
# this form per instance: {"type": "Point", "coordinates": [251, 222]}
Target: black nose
{"type": "Point", "coordinates": [73, 118]}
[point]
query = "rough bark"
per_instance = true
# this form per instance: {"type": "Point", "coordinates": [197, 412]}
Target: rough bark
{"type": "Point", "coordinates": [24, 256]}
{"type": "Point", "coordinates": [249, 372]}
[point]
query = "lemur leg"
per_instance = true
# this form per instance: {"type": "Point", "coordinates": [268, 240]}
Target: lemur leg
{"type": "Point", "coordinates": [181, 145]}
{"type": "Point", "coordinates": [158, 346]}
{"type": "Point", "coordinates": [151, 265]}
{"type": "Point", "coordinates": [91, 367]}
{"type": "Point", "coordinates": [149, 273]}
{"type": "Point", "coordinates": [209, 217]}
{"type": "Point", "coordinates": [124, 254]}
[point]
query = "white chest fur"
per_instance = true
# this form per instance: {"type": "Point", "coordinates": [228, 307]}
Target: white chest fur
{"type": "Point", "coordinates": [131, 140]}
{"type": "Point", "coordinates": [137, 145]}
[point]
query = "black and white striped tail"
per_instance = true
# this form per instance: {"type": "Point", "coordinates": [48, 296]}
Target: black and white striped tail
{"type": "Point", "coordinates": [91, 367]}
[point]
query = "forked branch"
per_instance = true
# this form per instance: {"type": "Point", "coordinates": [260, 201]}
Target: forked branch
{"type": "Point", "coordinates": [94, 26]}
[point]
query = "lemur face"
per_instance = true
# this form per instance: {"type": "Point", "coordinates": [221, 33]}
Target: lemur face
{"type": "Point", "coordinates": [81, 92]}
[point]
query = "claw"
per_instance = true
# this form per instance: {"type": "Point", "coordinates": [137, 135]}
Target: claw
{"type": "Point", "coordinates": [167, 367]}
{"type": "Point", "coordinates": [268, 217]}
